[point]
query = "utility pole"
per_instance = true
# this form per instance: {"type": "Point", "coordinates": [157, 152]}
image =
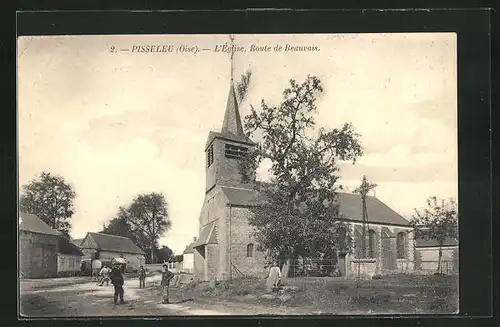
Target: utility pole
{"type": "Point", "coordinates": [363, 190]}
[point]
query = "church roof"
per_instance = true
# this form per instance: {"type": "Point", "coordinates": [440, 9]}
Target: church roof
{"type": "Point", "coordinates": [229, 137]}
{"type": "Point", "coordinates": [232, 120]}
{"type": "Point", "coordinates": [349, 204]}
{"type": "Point", "coordinates": [378, 212]}
{"type": "Point", "coordinates": [232, 129]}
{"type": "Point", "coordinates": [208, 235]}
{"type": "Point", "coordinates": [242, 197]}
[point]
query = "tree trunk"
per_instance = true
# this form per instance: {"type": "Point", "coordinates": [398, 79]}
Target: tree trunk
{"type": "Point", "coordinates": [439, 258]}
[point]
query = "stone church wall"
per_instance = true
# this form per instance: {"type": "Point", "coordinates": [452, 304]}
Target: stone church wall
{"type": "Point", "coordinates": [385, 249]}
{"type": "Point", "coordinates": [241, 237]}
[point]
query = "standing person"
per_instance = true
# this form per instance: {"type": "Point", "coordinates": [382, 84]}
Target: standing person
{"type": "Point", "coordinates": [142, 277]}
{"type": "Point", "coordinates": [117, 281]}
{"type": "Point", "coordinates": [104, 275]}
{"type": "Point", "coordinates": [166, 277]}
{"type": "Point", "coordinates": [273, 280]}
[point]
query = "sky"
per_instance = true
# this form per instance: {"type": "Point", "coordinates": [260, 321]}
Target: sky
{"type": "Point", "coordinates": [117, 124]}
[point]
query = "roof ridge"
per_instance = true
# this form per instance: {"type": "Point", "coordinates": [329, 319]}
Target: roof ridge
{"type": "Point", "coordinates": [110, 235]}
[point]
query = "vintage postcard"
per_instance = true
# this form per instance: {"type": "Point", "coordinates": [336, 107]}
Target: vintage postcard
{"type": "Point", "coordinates": [295, 174]}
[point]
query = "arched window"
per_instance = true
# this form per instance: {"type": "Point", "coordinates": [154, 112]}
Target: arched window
{"type": "Point", "coordinates": [250, 250]}
{"type": "Point", "coordinates": [371, 243]}
{"type": "Point", "coordinates": [401, 245]}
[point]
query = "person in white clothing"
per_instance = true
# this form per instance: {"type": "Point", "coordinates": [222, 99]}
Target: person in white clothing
{"type": "Point", "coordinates": [274, 278]}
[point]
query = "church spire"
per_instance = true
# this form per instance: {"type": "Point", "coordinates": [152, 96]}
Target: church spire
{"type": "Point", "coordinates": [232, 120]}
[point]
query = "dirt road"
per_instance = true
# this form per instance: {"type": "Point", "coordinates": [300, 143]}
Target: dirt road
{"type": "Point", "coordinates": [88, 299]}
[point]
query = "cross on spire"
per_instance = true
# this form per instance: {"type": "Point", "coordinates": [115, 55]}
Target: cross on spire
{"type": "Point", "coordinates": [231, 37]}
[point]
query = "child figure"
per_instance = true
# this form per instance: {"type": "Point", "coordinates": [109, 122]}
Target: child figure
{"type": "Point", "coordinates": [142, 277]}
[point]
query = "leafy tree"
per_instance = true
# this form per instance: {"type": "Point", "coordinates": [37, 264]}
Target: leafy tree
{"type": "Point", "coordinates": [300, 216]}
{"type": "Point", "coordinates": [148, 215]}
{"type": "Point", "coordinates": [164, 254]}
{"type": "Point", "coordinates": [438, 222]}
{"type": "Point", "coordinates": [178, 258]}
{"type": "Point", "coordinates": [51, 199]}
{"type": "Point", "coordinates": [120, 225]}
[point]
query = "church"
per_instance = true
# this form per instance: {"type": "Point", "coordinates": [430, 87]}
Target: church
{"type": "Point", "coordinates": [225, 248]}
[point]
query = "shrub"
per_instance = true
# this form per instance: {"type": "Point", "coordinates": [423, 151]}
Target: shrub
{"type": "Point", "coordinates": [377, 277]}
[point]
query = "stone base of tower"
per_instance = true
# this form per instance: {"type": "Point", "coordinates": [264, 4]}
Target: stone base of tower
{"type": "Point", "coordinates": [206, 262]}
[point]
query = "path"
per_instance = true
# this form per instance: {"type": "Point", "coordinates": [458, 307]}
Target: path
{"type": "Point", "coordinates": [53, 299]}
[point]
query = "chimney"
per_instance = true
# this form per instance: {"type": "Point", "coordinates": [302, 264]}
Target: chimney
{"type": "Point", "coordinates": [194, 239]}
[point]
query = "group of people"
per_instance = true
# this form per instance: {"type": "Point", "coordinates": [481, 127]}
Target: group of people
{"type": "Point", "coordinates": [114, 275]}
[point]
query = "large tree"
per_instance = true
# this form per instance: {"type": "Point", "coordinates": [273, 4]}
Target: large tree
{"type": "Point", "coordinates": [51, 198]}
{"type": "Point", "coordinates": [300, 216]}
{"type": "Point", "coordinates": [148, 214]}
{"type": "Point", "coordinates": [164, 254]}
{"type": "Point", "coordinates": [438, 222]}
{"type": "Point", "coordinates": [120, 225]}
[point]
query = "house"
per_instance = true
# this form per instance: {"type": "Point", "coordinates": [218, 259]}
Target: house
{"type": "Point", "coordinates": [188, 258]}
{"type": "Point", "coordinates": [69, 258]}
{"type": "Point", "coordinates": [77, 241]}
{"type": "Point", "coordinates": [38, 247]}
{"type": "Point", "coordinates": [225, 247]}
{"type": "Point", "coordinates": [427, 255]}
{"type": "Point", "coordinates": [105, 247]}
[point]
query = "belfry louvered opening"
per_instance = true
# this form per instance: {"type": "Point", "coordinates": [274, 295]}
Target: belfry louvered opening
{"type": "Point", "coordinates": [210, 156]}
{"type": "Point", "coordinates": [235, 152]}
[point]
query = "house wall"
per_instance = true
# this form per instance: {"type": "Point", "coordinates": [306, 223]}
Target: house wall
{"type": "Point", "coordinates": [188, 262]}
{"type": "Point", "coordinates": [68, 264]}
{"type": "Point", "coordinates": [37, 255]}
{"type": "Point", "coordinates": [134, 261]}
{"type": "Point", "coordinates": [426, 259]}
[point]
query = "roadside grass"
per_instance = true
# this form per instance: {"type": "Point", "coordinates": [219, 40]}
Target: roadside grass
{"type": "Point", "coordinates": [403, 294]}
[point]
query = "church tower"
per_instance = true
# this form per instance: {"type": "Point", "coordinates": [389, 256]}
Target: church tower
{"type": "Point", "coordinates": [226, 148]}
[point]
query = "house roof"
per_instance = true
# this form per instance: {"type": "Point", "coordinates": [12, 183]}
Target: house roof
{"type": "Point", "coordinates": [77, 241]}
{"type": "Point", "coordinates": [189, 248]}
{"type": "Point", "coordinates": [349, 204]}
{"type": "Point", "coordinates": [114, 243]}
{"type": "Point", "coordinates": [424, 242]}
{"type": "Point", "coordinates": [67, 247]}
{"type": "Point", "coordinates": [31, 223]}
